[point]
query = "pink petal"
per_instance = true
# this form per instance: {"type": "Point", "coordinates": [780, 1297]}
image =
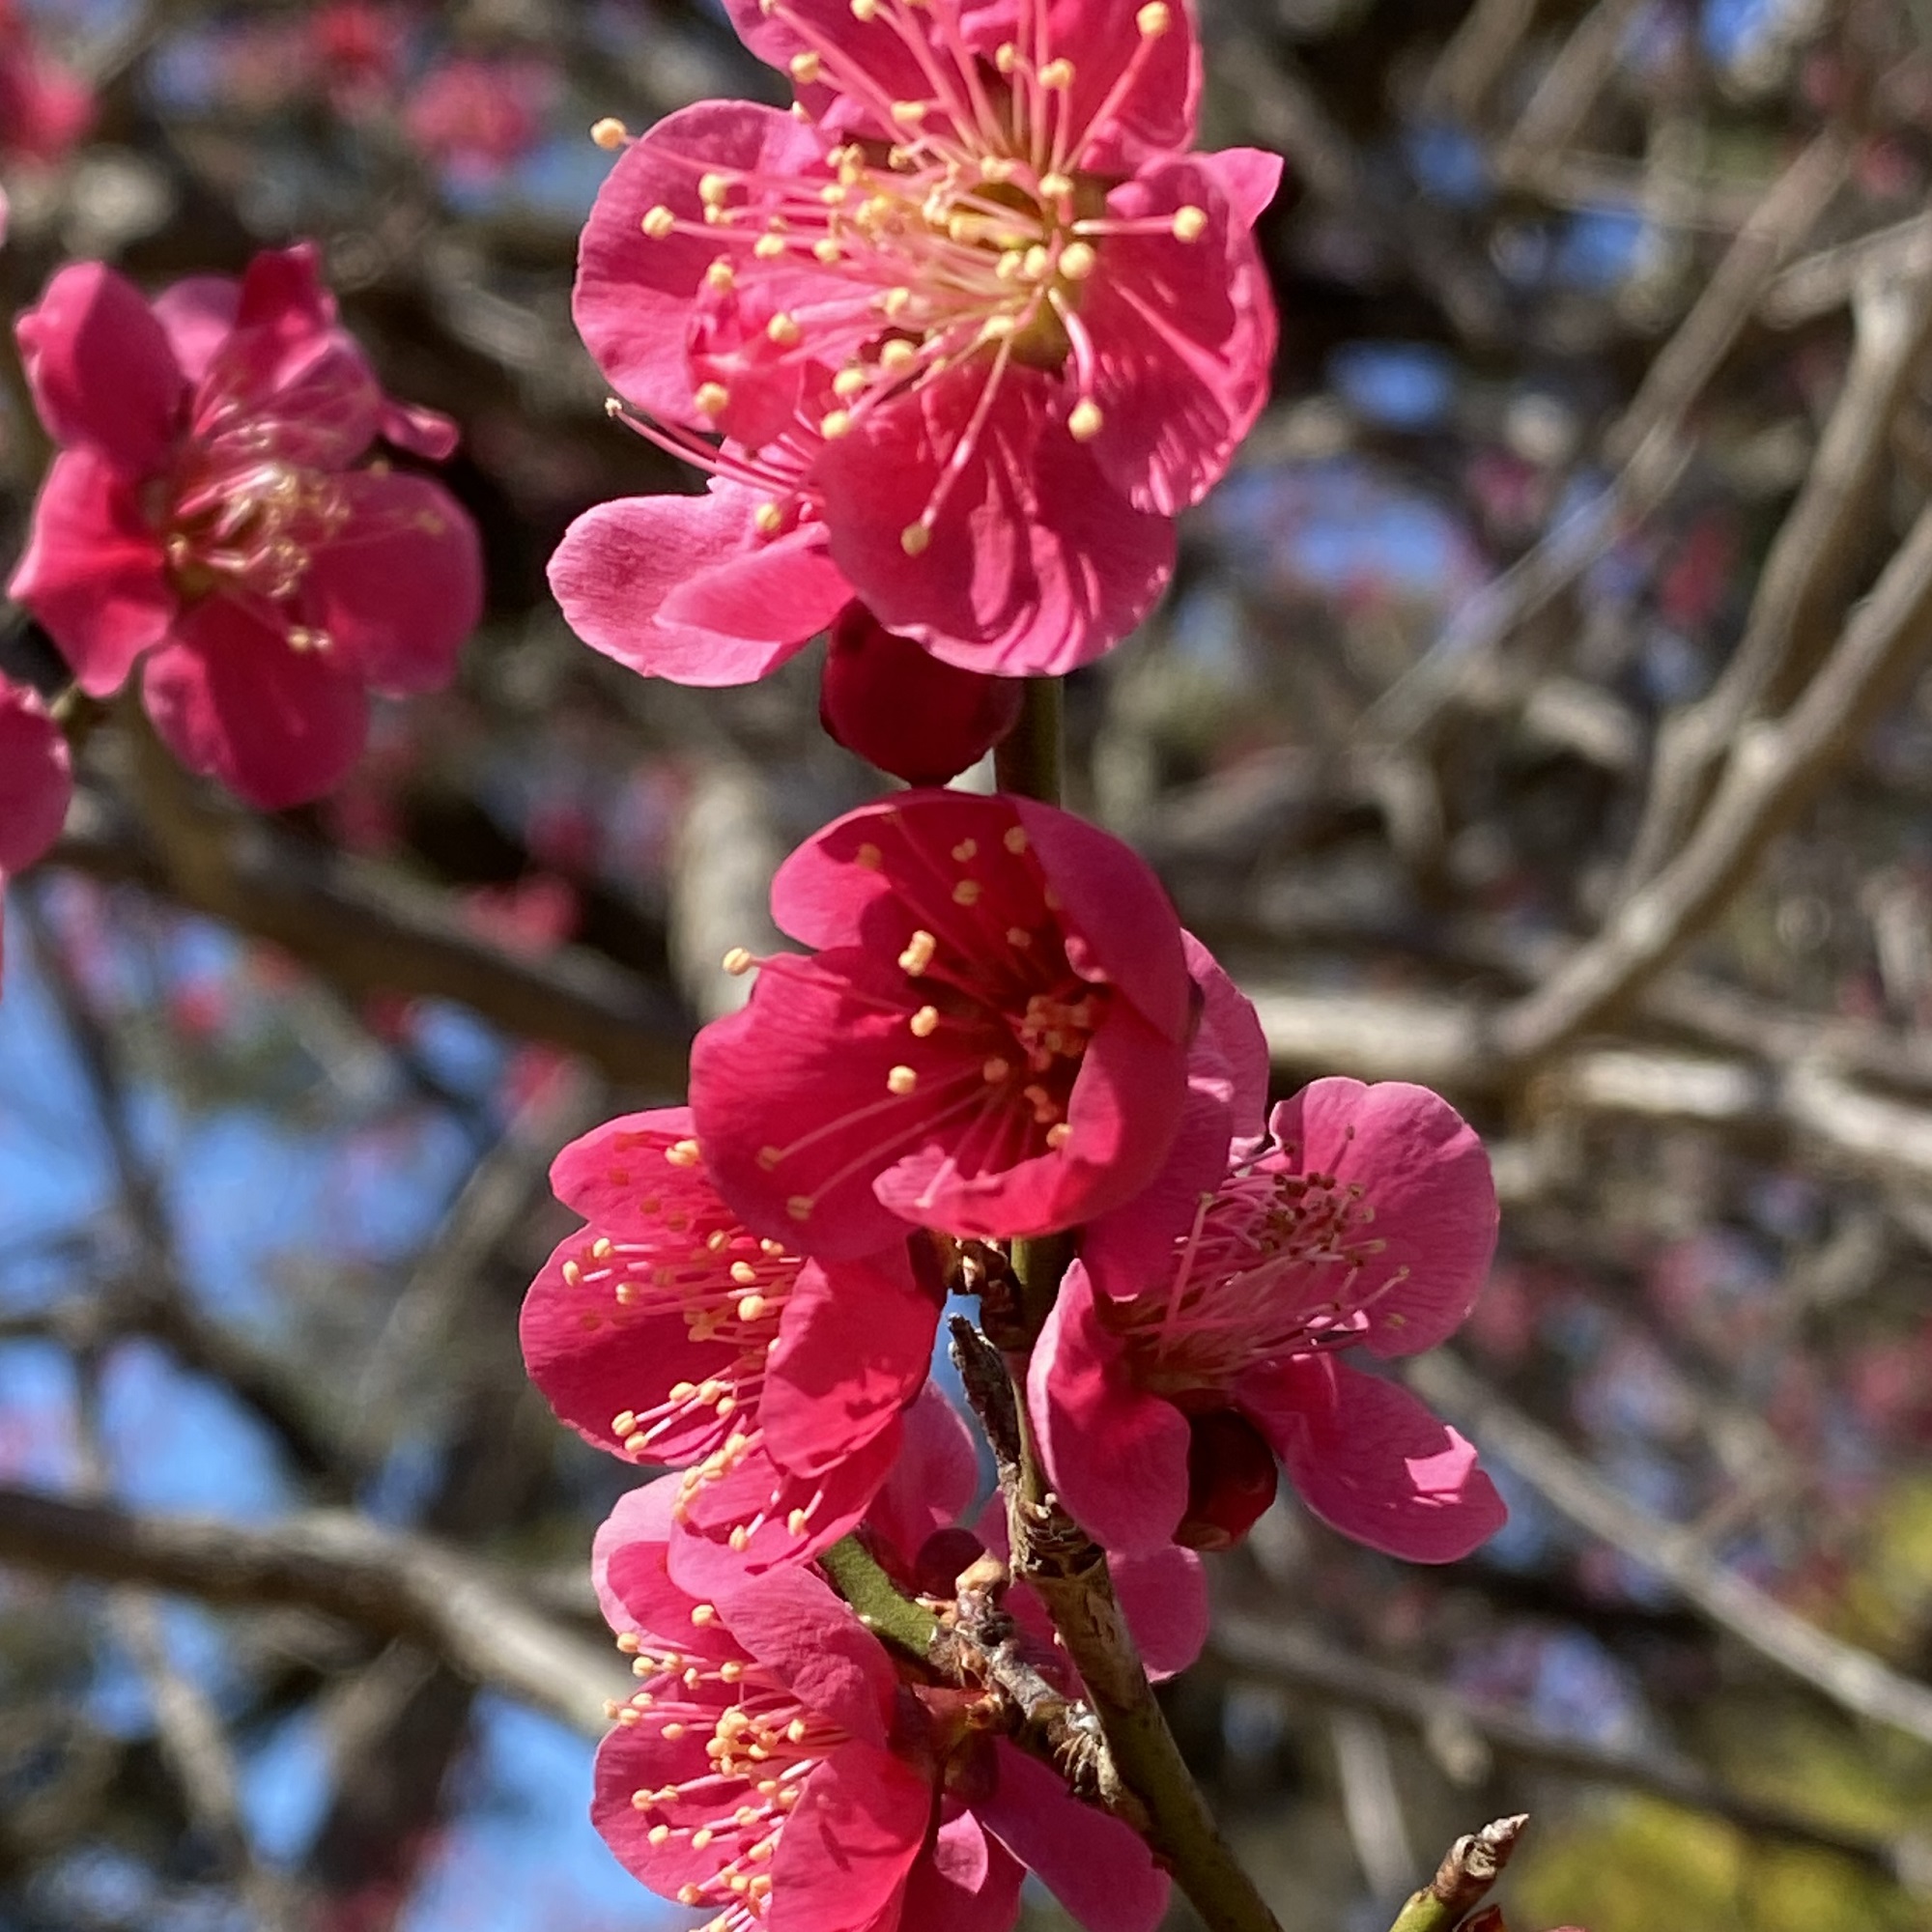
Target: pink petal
{"type": "Point", "coordinates": [966, 1882]}
{"type": "Point", "coordinates": [400, 588]}
{"type": "Point", "coordinates": [619, 563]}
{"type": "Point", "coordinates": [603, 1173]}
{"type": "Point", "coordinates": [1422, 1169]}
{"type": "Point", "coordinates": [627, 1564]}
{"type": "Point", "coordinates": [197, 315]}
{"type": "Point", "coordinates": [231, 698]}
{"type": "Point", "coordinates": [421, 432]}
{"type": "Point", "coordinates": [1183, 336]}
{"type": "Point", "coordinates": [1163, 1595]}
{"type": "Point", "coordinates": [1371, 1460]}
{"type": "Point", "coordinates": [795, 1625]}
{"type": "Point", "coordinates": [1036, 566]}
{"type": "Point", "coordinates": [849, 1842]}
{"type": "Point", "coordinates": [102, 374]}
{"type": "Point", "coordinates": [95, 573]}
{"type": "Point", "coordinates": [634, 295]}
{"type": "Point", "coordinates": [853, 1349]}
{"type": "Point", "coordinates": [1249, 177]}
{"type": "Point", "coordinates": [932, 1480]}
{"type": "Point", "coordinates": [1116, 1455]}
{"type": "Point", "coordinates": [1098, 1868]}
{"type": "Point", "coordinates": [36, 777]}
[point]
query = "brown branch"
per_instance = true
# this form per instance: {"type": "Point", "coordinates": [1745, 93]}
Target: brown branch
{"type": "Point", "coordinates": [1470, 1867]}
{"type": "Point", "coordinates": [1773, 771]}
{"type": "Point", "coordinates": [382, 1581]}
{"type": "Point", "coordinates": [1852, 1678]}
{"type": "Point", "coordinates": [1281, 1653]}
{"type": "Point", "coordinates": [1568, 90]}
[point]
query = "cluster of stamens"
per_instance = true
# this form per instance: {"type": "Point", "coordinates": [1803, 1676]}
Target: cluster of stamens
{"type": "Point", "coordinates": [991, 986]}
{"type": "Point", "coordinates": [1271, 1267]}
{"type": "Point", "coordinates": [727, 1287]}
{"type": "Point", "coordinates": [761, 1745]}
{"type": "Point", "coordinates": [964, 239]}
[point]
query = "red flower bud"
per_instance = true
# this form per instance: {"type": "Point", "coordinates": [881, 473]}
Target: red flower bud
{"type": "Point", "coordinates": [1231, 1480]}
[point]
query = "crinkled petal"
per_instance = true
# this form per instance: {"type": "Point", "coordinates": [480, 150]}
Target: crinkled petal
{"type": "Point", "coordinates": [1422, 1168]}
{"type": "Point", "coordinates": [798, 1628]}
{"type": "Point", "coordinates": [232, 699]}
{"type": "Point", "coordinates": [1098, 1870]}
{"type": "Point", "coordinates": [634, 293]}
{"type": "Point", "coordinates": [1035, 563]}
{"type": "Point", "coordinates": [619, 563]}
{"type": "Point", "coordinates": [853, 1349]}
{"type": "Point", "coordinates": [400, 587]}
{"type": "Point", "coordinates": [848, 1843]}
{"type": "Point", "coordinates": [1371, 1460]}
{"type": "Point", "coordinates": [94, 573]}
{"type": "Point", "coordinates": [102, 374]}
{"type": "Point", "coordinates": [1118, 1456]}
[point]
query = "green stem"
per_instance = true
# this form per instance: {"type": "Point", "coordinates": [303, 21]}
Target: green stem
{"type": "Point", "coordinates": [1030, 761]}
{"type": "Point", "coordinates": [874, 1596]}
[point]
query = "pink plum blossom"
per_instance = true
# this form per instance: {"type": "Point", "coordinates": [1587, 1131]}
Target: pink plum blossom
{"type": "Point", "coordinates": [990, 1038]}
{"type": "Point", "coordinates": [777, 1768]}
{"type": "Point", "coordinates": [668, 1333]}
{"type": "Point", "coordinates": [36, 778]}
{"type": "Point", "coordinates": [477, 115]}
{"type": "Point", "coordinates": [1368, 1221]}
{"type": "Point", "coordinates": [45, 108]}
{"type": "Point", "coordinates": [971, 333]}
{"type": "Point", "coordinates": [209, 517]}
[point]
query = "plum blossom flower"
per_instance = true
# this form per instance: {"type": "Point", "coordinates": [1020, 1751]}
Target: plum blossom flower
{"type": "Point", "coordinates": [668, 1333]}
{"type": "Point", "coordinates": [972, 326]}
{"type": "Point", "coordinates": [990, 1038]}
{"type": "Point", "coordinates": [476, 115]}
{"type": "Point", "coordinates": [776, 1768]}
{"type": "Point", "coordinates": [36, 778]}
{"type": "Point", "coordinates": [1368, 1220]}
{"type": "Point", "coordinates": [45, 108]}
{"type": "Point", "coordinates": [209, 513]}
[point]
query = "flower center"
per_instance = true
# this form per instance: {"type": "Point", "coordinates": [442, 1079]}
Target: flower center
{"type": "Point", "coordinates": [1272, 1267]}
{"type": "Point", "coordinates": [250, 527]}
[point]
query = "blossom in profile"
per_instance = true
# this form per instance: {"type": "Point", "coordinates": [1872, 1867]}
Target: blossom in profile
{"type": "Point", "coordinates": [36, 778]}
{"type": "Point", "coordinates": [668, 1333]}
{"type": "Point", "coordinates": [212, 517]}
{"type": "Point", "coordinates": [1173, 1374]}
{"type": "Point", "coordinates": [957, 339]}
{"type": "Point", "coordinates": [777, 1766]}
{"type": "Point", "coordinates": [990, 1037]}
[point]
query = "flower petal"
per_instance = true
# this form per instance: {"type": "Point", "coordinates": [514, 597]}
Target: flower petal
{"type": "Point", "coordinates": [1163, 1595]}
{"type": "Point", "coordinates": [1118, 1456]}
{"type": "Point", "coordinates": [102, 374]}
{"type": "Point", "coordinates": [233, 699]}
{"type": "Point", "coordinates": [36, 777]}
{"type": "Point", "coordinates": [848, 1845]}
{"type": "Point", "coordinates": [1371, 1460]}
{"type": "Point", "coordinates": [966, 1882]}
{"type": "Point", "coordinates": [197, 313]}
{"type": "Point", "coordinates": [601, 1174]}
{"type": "Point", "coordinates": [932, 1480]}
{"type": "Point", "coordinates": [1098, 1870]}
{"type": "Point", "coordinates": [95, 573]}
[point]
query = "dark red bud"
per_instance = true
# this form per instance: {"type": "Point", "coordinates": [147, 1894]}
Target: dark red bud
{"type": "Point", "coordinates": [1231, 1480]}
{"type": "Point", "coordinates": [896, 705]}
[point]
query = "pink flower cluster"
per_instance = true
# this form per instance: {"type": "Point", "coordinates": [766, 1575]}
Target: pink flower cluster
{"type": "Point", "coordinates": [217, 517]}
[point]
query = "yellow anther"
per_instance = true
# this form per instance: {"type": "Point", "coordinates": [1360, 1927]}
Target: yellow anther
{"type": "Point", "coordinates": [712, 399]}
{"type": "Point", "coordinates": [702, 1837]}
{"type": "Point", "coordinates": [805, 67]}
{"type": "Point", "coordinates": [835, 425]}
{"type": "Point", "coordinates": [924, 1023]}
{"type": "Point", "coordinates": [601, 1247]}
{"type": "Point", "coordinates": [659, 222]}
{"type": "Point", "coordinates": [966, 851]}
{"type": "Point", "coordinates": [850, 383]}
{"type": "Point", "coordinates": [994, 1070]}
{"type": "Point", "coordinates": [688, 1894]}
{"type": "Point", "coordinates": [1055, 187]}
{"type": "Point", "coordinates": [966, 892]}
{"type": "Point", "coordinates": [683, 1154]}
{"type": "Point", "coordinates": [1190, 223]}
{"type": "Point", "coordinates": [825, 249]}
{"type": "Point", "coordinates": [1084, 420]}
{"type": "Point", "coordinates": [703, 1613]}
{"type": "Point", "coordinates": [914, 539]}
{"type": "Point", "coordinates": [1036, 264]}
{"type": "Point", "coordinates": [1077, 260]}
{"type": "Point", "coordinates": [1057, 75]}
{"type": "Point", "coordinates": [898, 356]}
{"type": "Point", "coordinates": [752, 1308]}
{"type": "Point", "coordinates": [658, 1834]}
{"type": "Point", "coordinates": [901, 1081]}
{"type": "Point", "coordinates": [910, 113]}
{"type": "Point", "coordinates": [624, 1422]}
{"type": "Point", "coordinates": [712, 189]}
{"type": "Point", "coordinates": [800, 1206]}
{"type": "Point", "coordinates": [1007, 57]}
{"type": "Point", "coordinates": [1153, 19]}
{"type": "Point", "coordinates": [769, 519]}
{"type": "Point", "coordinates": [895, 302]}
{"type": "Point", "coordinates": [769, 1157]}
{"type": "Point", "coordinates": [720, 278]}
{"type": "Point", "coordinates": [739, 961]}
{"type": "Point", "coordinates": [919, 954]}
{"type": "Point", "coordinates": [740, 1539]}
{"type": "Point", "coordinates": [744, 1273]}
{"type": "Point", "coordinates": [998, 167]}
{"type": "Point", "coordinates": [609, 132]}
{"type": "Point", "coordinates": [869, 856]}
{"type": "Point", "coordinates": [1014, 839]}
{"type": "Point", "coordinates": [572, 1275]}
{"type": "Point", "coordinates": [1010, 265]}
{"type": "Point", "coordinates": [672, 1732]}
{"type": "Point", "coordinates": [769, 247]}
{"type": "Point", "coordinates": [628, 1642]}
{"type": "Point", "coordinates": [864, 11]}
